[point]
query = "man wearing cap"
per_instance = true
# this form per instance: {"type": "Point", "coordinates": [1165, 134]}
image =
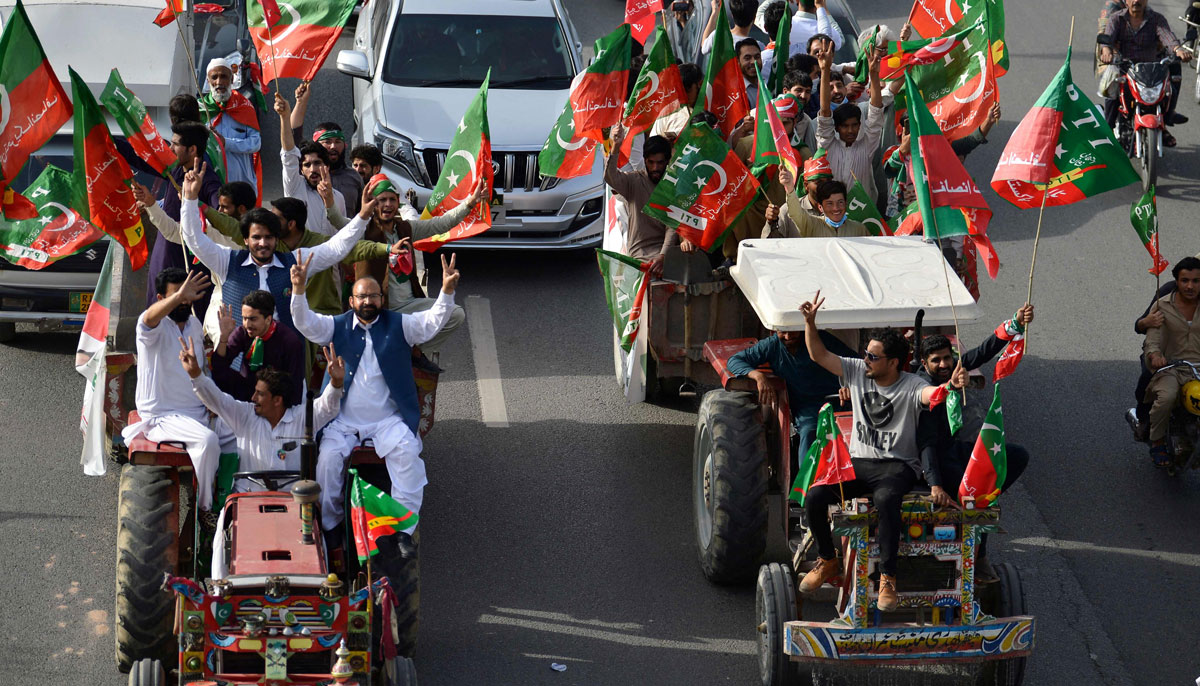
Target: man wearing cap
{"type": "Point", "coordinates": [303, 169]}
{"type": "Point", "coordinates": [329, 135]}
{"type": "Point", "coordinates": [816, 172]}
{"type": "Point", "coordinates": [232, 117]}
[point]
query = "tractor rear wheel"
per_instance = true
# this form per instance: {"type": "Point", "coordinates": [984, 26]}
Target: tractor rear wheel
{"type": "Point", "coordinates": [147, 673]}
{"type": "Point", "coordinates": [1011, 603]}
{"type": "Point", "coordinates": [401, 672]}
{"type": "Point", "coordinates": [147, 546]}
{"type": "Point", "coordinates": [729, 491]}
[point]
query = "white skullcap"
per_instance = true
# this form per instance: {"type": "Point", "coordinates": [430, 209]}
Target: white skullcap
{"type": "Point", "coordinates": [218, 62]}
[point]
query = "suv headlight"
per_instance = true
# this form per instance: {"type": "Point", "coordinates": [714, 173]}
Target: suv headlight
{"type": "Point", "coordinates": [400, 150]}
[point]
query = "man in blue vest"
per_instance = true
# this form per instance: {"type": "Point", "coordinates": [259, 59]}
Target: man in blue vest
{"type": "Point", "coordinates": [380, 401]}
{"type": "Point", "coordinates": [259, 267]}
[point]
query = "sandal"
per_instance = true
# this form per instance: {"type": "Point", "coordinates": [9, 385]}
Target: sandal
{"type": "Point", "coordinates": [1168, 140]}
{"type": "Point", "coordinates": [1161, 457]}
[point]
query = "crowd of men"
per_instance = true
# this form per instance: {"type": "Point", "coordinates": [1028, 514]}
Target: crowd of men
{"type": "Point", "coordinates": [294, 300]}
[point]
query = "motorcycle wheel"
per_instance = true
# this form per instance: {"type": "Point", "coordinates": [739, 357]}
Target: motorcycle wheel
{"type": "Point", "coordinates": [1150, 140]}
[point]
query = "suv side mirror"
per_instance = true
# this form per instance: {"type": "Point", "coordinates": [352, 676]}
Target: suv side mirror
{"type": "Point", "coordinates": [1101, 39]}
{"type": "Point", "coordinates": [354, 63]}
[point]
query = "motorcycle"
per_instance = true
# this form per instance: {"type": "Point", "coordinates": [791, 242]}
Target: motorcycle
{"type": "Point", "coordinates": [1183, 430]}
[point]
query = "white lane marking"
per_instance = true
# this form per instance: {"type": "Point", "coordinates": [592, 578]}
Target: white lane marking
{"type": "Point", "coordinates": [707, 645]}
{"type": "Point", "coordinates": [1185, 559]}
{"type": "Point", "coordinates": [487, 363]}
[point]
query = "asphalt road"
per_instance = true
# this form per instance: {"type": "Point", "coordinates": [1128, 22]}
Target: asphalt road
{"type": "Point", "coordinates": [566, 535]}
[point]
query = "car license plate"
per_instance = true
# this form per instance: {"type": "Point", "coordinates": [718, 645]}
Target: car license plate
{"type": "Point", "coordinates": [497, 206]}
{"type": "Point", "coordinates": [79, 302]}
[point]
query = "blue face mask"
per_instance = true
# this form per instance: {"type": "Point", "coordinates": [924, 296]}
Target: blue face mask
{"type": "Point", "coordinates": [836, 225]}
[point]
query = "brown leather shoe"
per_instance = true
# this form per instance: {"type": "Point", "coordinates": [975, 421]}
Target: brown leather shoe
{"type": "Point", "coordinates": [817, 576]}
{"type": "Point", "coordinates": [887, 600]}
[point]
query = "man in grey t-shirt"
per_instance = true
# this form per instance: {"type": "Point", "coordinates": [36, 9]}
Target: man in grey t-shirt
{"type": "Point", "coordinates": [883, 446]}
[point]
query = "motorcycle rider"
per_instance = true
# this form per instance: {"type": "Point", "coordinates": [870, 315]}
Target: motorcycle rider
{"type": "Point", "coordinates": [1175, 340]}
{"type": "Point", "coordinates": [1136, 33]}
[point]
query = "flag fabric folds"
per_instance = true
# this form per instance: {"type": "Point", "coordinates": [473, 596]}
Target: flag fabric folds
{"type": "Point", "coordinates": [988, 466]}
{"type": "Point", "coordinates": [657, 92]}
{"type": "Point", "coordinates": [1012, 331]}
{"type": "Point", "coordinates": [625, 290]}
{"type": "Point", "coordinates": [827, 461]}
{"type": "Point", "coordinates": [567, 154]}
{"type": "Point", "coordinates": [724, 85]}
{"type": "Point", "coordinates": [598, 97]}
{"type": "Point", "coordinates": [772, 144]}
{"type": "Point", "coordinates": [57, 232]}
{"type": "Point", "coordinates": [1144, 217]}
{"type": "Point", "coordinates": [783, 49]}
{"type": "Point", "coordinates": [90, 363]}
{"type": "Point", "coordinates": [136, 124]}
{"type": "Point", "coordinates": [298, 43]}
{"type": "Point", "coordinates": [375, 515]}
{"type": "Point", "coordinates": [862, 209]}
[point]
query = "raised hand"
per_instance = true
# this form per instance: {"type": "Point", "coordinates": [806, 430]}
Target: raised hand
{"type": "Point", "coordinates": [959, 378]}
{"type": "Point", "coordinates": [282, 107]}
{"type": "Point", "coordinates": [193, 179]}
{"type": "Point", "coordinates": [368, 204]}
{"type": "Point", "coordinates": [479, 194]}
{"type": "Point", "coordinates": [449, 274]}
{"type": "Point", "coordinates": [1025, 315]}
{"type": "Point", "coordinates": [187, 358]}
{"type": "Point", "coordinates": [299, 272]}
{"type": "Point", "coordinates": [302, 91]}
{"type": "Point", "coordinates": [401, 246]}
{"type": "Point", "coordinates": [809, 309]}
{"type": "Point", "coordinates": [225, 321]}
{"type": "Point", "coordinates": [772, 213]}
{"type": "Point", "coordinates": [143, 195]}
{"type": "Point", "coordinates": [787, 179]}
{"type": "Point", "coordinates": [335, 365]}
{"type": "Point", "coordinates": [193, 287]}
{"type": "Point", "coordinates": [325, 188]}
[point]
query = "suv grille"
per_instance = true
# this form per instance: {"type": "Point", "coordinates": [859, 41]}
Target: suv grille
{"type": "Point", "coordinates": [511, 170]}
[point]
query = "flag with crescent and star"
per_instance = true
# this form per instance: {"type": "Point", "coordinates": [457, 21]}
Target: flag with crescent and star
{"type": "Point", "coordinates": [136, 124]}
{"type": "Point", "coordinates": [374, 515]}
{"type": "Point", "coordinates": [724, 85]}
{"type": "Point", "coordinates": [988, 466]}
{"type": "Point", "coordinates": [862, 209]}
{"type": "Point", "coordinates": [625, 289]}
{"type": "Point", "coordinates": [960, 88]}
{"type": "Point", "coordinates": [90, 363]}
{"type": "Point", "coordinates": [639, 14]}
{"type": "Point", "coordinates": [705, 188]}
{"type": "Point", "coordinates": [33, 106]}
{"type": "Point", "coordinates": [299, 42]}
{"type": "Point", "coordinates": [1013, 331]}
{"type": "Point", "coordinates": [903, 54]}
{"type": "Point", "coordinates": [1063, 149]}
{"type": "Point", "coordinates": [827, 461]}
{"type": "Point", "coordinates": [468, 159]}
{"type": "Point", "coordinates": [657, 92]}
{"type": "Point", "coordinates": [934, 18]}
{"type": "Point", "coordinates": [1144, 217]}
{"type": "Point", "coordinates": [566, 154]}
{"type": "Point", "coordinates": [598, 97]}
{"type": "Point", "coordinates": [58, 231]}
{"type": "Point", "coordinates": [102, 181]}
{"type": "Point", "coordinates": [772, 143]}
{"type": "Point", "coordinates": [948, 201]}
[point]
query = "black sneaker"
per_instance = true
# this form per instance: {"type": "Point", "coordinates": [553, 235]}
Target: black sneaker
{"type": "Point", "coordinates": [1176, 118]}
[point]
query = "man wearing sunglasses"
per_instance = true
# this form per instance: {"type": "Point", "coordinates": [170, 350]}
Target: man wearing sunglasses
{"type": "Point", "coordinates": [883, 445]}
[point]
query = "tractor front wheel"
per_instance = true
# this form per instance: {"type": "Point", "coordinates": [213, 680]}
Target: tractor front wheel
{"type": "Point", "coordinates": [729, 491]}
{"type": "Point", "coordinates": [1011, 603]}
{"type": "Point", "coordinates": [147, 673]}
{"type": "Point", "coordinates": [147, 546]}
{"type": "Point", "coordinates": [401, 672]}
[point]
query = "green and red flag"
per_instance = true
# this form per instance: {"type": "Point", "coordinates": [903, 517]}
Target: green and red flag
{"type": "Point", "coordinates": [1144, 217]}
{"type": "Point", "coordinates": [167, 15]}
{"type": "Point", "coordinates": [782, 47]}
{"type": "Point", "coordinates": [639, 14]}
{"type": "Point", "coordinates": [862, 209]}
{"type": "Point", "coordinates": [103, 182]}
{"type": "Point", "coordinates": [772, 143]}
{"type": "Point", "coordinates": [58, 231]}
{"type": "Point", "coordinates": [705, 188]}
{"type": "Point", "coordinates": [136, 124]}
{"type": "Point", "coordinates": [566, 154]}
{"type": "Point", "coordinates": [988, 466]}
{"type": "Point", "coordinates": [296, 45]}
{"type": "Point", "coordinates": [862, 65]}
{"type": "Point", "coordinates": [90, 363]}
{"type": "Point", "coordinates": [468, 160]}
{"type": "Point", "coordinates": [827, 461]}
{"type": "Point", "coordinates": [238, 108]}
{"type": "Point", "coordinates": [1012, 331]}
{"type": "Point", "coordinates": [903, 54]}
{"type": "Point", "coordinates": [33, 105]}
{"type": "Point", "coordinates": [657, 92]}
{"type": "Point", "coordinates": [625, 289]}
{"type": "Point", "coordinates": [724, 85]}
{"type": "Point", "coordinates": [598, 95]}
{"type": "Point", "coordinates": [953, 400]}
{"type": "Point", "coordinates": [374, 515]}
{"type": "Point", "coordinates": [934, 18]}
{"type": "Point", "coordinates": [948, 201]}
{"type": "Point", "coordinates": [1062, 149]}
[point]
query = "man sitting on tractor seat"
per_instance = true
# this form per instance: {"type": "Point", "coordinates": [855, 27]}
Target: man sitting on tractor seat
{"type": "Point", "coordinates": [883, 445]}
{"type": "Point", "coordinates": [807, 383]}
{"type": "Point", "coordinates": [1175, 340]}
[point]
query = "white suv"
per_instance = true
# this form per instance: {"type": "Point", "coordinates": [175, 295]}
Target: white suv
{"type": "Point", "coordinates": [418, 63]}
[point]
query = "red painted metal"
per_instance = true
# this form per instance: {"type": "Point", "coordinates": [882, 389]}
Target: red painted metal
{"type": "Point", "coordinates": [265, 537]}
{"type": "Point", "coordinates": [143, 451]}
{"type": "Point", "coordinates": [719, 352]}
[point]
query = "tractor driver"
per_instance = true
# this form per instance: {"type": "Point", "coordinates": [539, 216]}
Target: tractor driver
{"type": "Point", "coordinates": [1175, 339]}
{"type": "Point", "coordinates": [883, 445]}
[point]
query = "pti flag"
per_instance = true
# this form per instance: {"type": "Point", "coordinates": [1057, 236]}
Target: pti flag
{"type": "Point", "coordinates": [988, 466]}
{"type": "Point", "coordinates": [296, 45]}
{"type": "Point", "coordinates": [374, 515]}
{"type": "Point", "coordinates": [468, 160]}
{"type": "Point", "coordinates": [1144, 217]}
{"type": "Point", "coordinates": [1063, 149]}
{"type": "Point", "coordinates": [639, 14]}
{"type": "Point", "coordinates": [772, 143]}
{"type": "Point", "coordinates": [827, 461]}
{"type": "Point", "coordinates": [33, 105]}
{"type": "Point", "coordinates": [1012, 331]}
{"type": "Point", "coordinates": [625, 289]}
{"type": "Point", "coordinates": [724, 85]}
{"type": "Point", "coordinates": [103, 192]}
{"type": "Point", "coordinates": [598, 98]}
{"type": "Point", "coordinates": [57, 232]}
{"type": "Point", "coordinates": [903, 54]}
{"type": "Point", "coordinates": [658, 91]}
{"type": "Point", "coordinates": [704, 189]}
{"type": "Point", "coordinates": [862, 209]}
{"type": "Point", "coordinates": [136, 124]}
{"type": "Point", "coordinates": [90, 362]}
{"type": "Point", "coordinates": [953, 400]}
{"type": "Point", "coordinates": [565, 154]}
{"type": "Point", "coordinates": [933, 18]}
{"type": "Point", "coordinates": [782, 49]}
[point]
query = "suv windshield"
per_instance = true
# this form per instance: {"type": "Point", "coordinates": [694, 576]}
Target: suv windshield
{"type": "Point", "coordinates": [456, 50]}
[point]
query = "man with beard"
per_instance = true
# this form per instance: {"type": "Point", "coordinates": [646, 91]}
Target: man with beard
{"type": "Point", "coordinates": [380, 396]}
{"type": "Point", "coordinates": [648, 238]}
{"type": "Point", "coordinates": [1174, 340]}
{"type": "Point", "coordinates": [168, 409]}
{"type": "Point", "coordinates": [232, 117]}
{"type": "Point", "coordinates": [261, 343]}
{"type": "Point", "coordinates": [883, 445]}
{"type": "Point", "coordinates": [849, 141]}
{"type": "Point", "coordinates": [259, 267]}
{"type": "Point", "coordinates": [749, 57]}
{"type": "Point", "coordinates": [367, 161]}
{"type": "Point", "coordinates": [348, 181]}
{"type": "Point", "coordinates": [302, 171]}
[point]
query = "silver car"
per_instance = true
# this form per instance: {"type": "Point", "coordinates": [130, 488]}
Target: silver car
{"type": "Point", "coordinates": [418, 63]}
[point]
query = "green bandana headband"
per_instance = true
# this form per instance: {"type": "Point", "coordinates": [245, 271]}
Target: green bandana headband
{"type": "Point", "coordinates": [328, 134]}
